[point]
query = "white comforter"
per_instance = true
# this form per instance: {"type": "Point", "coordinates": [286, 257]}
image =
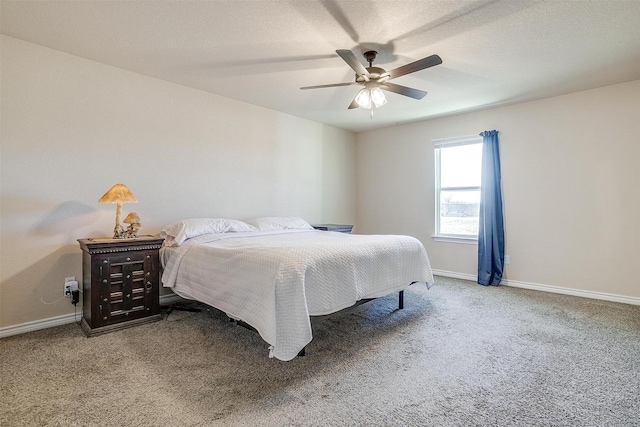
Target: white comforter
{"type": "Point", "coordinates": [274, 280]}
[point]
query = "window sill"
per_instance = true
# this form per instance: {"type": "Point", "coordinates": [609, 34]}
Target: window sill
{"type": "Point", "coordinates": [455, 239]}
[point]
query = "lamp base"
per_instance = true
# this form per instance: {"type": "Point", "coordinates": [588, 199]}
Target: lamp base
{"type": "Point", "coordinates": [119, 233]}
{"type": "Point", "coordinates": [129, 233]}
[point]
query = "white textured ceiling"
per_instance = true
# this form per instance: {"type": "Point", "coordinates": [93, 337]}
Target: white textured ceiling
{"type": "Point", "coordinates": [262, 51]}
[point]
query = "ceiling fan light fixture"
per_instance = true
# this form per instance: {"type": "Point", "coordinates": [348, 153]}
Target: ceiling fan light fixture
{"type": "Point", "coordinates": [378, 98]}
{"type": "Point", "coordinates": [368, 96]}
{"type": "Point", "coordinates": [363, 98]}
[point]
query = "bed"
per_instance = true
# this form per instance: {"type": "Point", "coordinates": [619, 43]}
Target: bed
{"type": "Point", "coordinates": [273, 273]}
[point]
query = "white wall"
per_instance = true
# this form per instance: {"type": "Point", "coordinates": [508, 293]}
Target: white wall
{"type": "Point", "coordinates": [71, 128]}
{"type": "Point", "coordinates": [571, 188]}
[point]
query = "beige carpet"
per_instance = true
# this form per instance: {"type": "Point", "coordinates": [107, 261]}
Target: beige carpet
{"type": "Point", "coordinates": [458, 355]}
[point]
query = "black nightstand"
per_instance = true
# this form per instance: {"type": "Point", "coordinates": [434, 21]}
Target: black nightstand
{"type": "Point", "coordinates": [342, 228]}
{"type": "Point", "coordinates": [120, 284]}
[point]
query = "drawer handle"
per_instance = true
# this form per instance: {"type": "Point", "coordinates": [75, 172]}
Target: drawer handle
{"type": "Point", "coordinates": [105, 262]}
{"type": "Point", "coordinates": [106, 300]}
{"type": "Point", "coordinates": [148, 286]}
{"type": "Point", "coordinates": [128, 259]}
{"type": "Point", "coordinates": [104, 281]}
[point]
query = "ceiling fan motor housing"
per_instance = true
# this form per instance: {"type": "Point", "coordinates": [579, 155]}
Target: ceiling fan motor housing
{"type": "Point", "coordinates": [375, 73]}
{"type": "Point", "coordinates": [370, 56]}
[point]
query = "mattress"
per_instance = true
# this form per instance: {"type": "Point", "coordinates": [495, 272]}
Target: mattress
{"type": "Point", "coordinates": [274, 280]}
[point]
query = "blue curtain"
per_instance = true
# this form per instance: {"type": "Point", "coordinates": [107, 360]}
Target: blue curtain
{"type": "Point", "coordinates": [491, 232]}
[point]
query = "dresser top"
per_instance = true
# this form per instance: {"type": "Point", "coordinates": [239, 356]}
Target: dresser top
{"type": "Point", "coordinates": [106, 245]}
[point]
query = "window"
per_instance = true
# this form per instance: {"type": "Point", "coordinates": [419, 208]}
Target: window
{"type": "Point", "coordinates": [458, 173]}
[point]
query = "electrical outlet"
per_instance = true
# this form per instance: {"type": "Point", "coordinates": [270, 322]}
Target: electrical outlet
{"type": "Point", "coordinates": [70, 284]}
{"type": "Point", "coordinates": [507, 260]}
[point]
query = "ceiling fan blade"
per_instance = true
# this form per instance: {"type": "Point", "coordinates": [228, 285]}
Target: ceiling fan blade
{"type": "Point", "coordinates": [329, 85]}
{"type": "Point", "coordinates": [353, 104]}
{"type": "Point", "coordinates": [418, 65]}
{"type": "Point", "coordinates": [403, 90]}
{"type": "Point", "coordinates": [353, 62]}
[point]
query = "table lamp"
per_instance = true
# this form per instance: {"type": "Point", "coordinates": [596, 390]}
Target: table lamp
{"type": "Point", "coordinates": [118, 194]}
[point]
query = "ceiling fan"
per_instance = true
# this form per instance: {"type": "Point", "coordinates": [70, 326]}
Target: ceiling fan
{"type": "Point", "coordinates": [375, 78]}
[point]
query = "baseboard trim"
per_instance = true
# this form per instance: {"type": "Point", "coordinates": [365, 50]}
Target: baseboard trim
{"type": "Point", "coordinates": [64, 319]}
{"type": "Point", "coordinates": [36, 325]}
{"type": "Point", "coordinates": [454, 275]}
{"type": "Point", "coordinates": [547, 288]}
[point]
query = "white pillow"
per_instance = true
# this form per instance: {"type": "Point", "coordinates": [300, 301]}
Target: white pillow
{"type": "Point", "coordinates": [239, 226]}
{"type": "Point", "coordinates": [280, 223]}
{"type": "Point", "coordinates": [176, 233]}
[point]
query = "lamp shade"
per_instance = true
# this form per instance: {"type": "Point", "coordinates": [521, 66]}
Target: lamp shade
{"type": "Point", "coordinates": [119, 193]}
{"type": "Point", "coordinates": [132, 218]}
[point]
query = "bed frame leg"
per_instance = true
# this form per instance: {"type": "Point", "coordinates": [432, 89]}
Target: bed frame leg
{"type": "Point", "coordinates": [401, 300]}
{"type": "Point", "coordinates": [302, 352]}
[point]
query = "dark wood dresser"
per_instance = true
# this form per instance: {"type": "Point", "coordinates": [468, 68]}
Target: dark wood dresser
{"type": "Point", "coordinates": [342, 228]}
{"type": "Point", "coordinates": [120, 284]}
